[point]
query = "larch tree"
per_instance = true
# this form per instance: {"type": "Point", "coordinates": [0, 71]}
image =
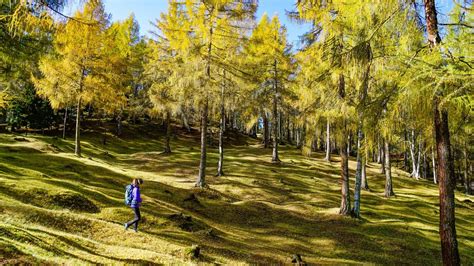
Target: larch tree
{"type": "Point", "coordinates": [72, 72]}
{"type": "Point", "coordinates": [268, 53]}
{"type": "Point", "coordinates": [447, 81]}
{"type": "Point", "coordinates": [195, 39]}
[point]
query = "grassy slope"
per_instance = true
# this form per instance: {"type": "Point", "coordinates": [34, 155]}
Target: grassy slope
{"type": "Point", "coordinates": [257, 213]}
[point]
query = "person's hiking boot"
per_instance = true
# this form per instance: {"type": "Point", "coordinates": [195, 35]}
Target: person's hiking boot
{"type": "Point", "coordinates": [126, 226]}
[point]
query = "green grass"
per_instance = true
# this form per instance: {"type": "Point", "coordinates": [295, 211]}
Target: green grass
{"type": "Point", "coordinates": [57, 208]}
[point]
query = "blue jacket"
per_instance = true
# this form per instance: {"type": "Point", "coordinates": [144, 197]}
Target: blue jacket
{"type": "Point", "coordinates": [136, 198]}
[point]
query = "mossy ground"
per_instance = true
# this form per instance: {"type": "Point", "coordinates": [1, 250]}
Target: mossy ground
{"type": "Point", "coordinates": [57, 208]}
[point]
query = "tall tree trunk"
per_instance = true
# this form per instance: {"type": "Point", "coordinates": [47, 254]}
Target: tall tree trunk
{"type": "Point", "coordinates": [445, 167]}
{"type": "Point", "coordinates": [382, 156]}
{"type": "Point", "coordinates": [288, 131]}
{"type": "Point", "coordinates": [358, 174]}
{"type": "Point", "coordinates": [379, 152]}
{"type": "Point", "coordinates": [328, 142]}
{"type": "Point", "coordinates": [266, 131]}
{"type": "Point", "coordinates": [414, 161]}
{"type": "Point", "coordinates": [425, 166]}
{"type": "Point", "coordinates": [345, 208]}
{"type": "Point", "coordinates": [365, 182]}
{"type": "Point", "coordinates": [77, 149]}
{"type": "Point", "coordinates": [168, 133]}
{"type": "Point", "coordinates": [220, 165]}
{"type": "Point", "coordinates": [405, 151]}
{"type": "Point", "coordinates": [65, 123]}
{"type": "Point", "coordinates": [275, 158]}
{"type": "Point", "coordinates": [298, 137]}
{"type": "Point", "coordinates": [433, 161]}
{"type": "Point", "coordinates": [388, 172]}
{"type": "Point", "coordinates": [447, 183]}
{"type": "Point", "coordinates": [343, 151]}
{"type": "Point", "coordinates": [467, 177]}
{"type": "Point", "coordinates": [201, 182]}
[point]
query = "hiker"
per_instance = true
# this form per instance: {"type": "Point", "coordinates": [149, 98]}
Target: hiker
{"type": "Point", "coordinates": [133, 200]}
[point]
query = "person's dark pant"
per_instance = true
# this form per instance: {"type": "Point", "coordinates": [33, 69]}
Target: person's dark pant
{"type": "Point", "coordinates": [135, 221]}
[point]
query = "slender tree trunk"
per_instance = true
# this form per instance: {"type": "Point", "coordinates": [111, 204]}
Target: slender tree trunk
{"type": "Point", "coordinates": [77, 149]}
{"type": "Point", "coordinates": [280, 127]}
{"type": "Point", "coordinates": [202, 164]}
{"type": "Point", "coordinates": [467, 177]}
{"type": "Point", "coordinates": [425, 166]}
{"type": "Point", "coordinates": [288, 131]}
{"type": "Point", "coordinates": [379, 152]}
{"type": "Point", "coordinates": [220, 165]}
{"type": "Point", "coordinates": [433, 161]}
{"type": "Point", "coordinates": [388, 172]}
{"type": "Point", "coordinates": [275, 158]}
{"type": "Point", "coordinates": [365, 182]}
{"type": "Point", "coordinates": [168, 133]}
{"type": "Point", "coordinates": [349, 145]}
{"type": "Point", "coordinates": [358, 175]}
{"type": "Point", "coordinates": [382, 158]}
{"type": "Point", "coordinates": [201, 182]}
{"type": "Point", "coordinates": [298, 138]}
{"type": "Point", "coordinates": [266, 131]}
{"type": "Point", "coordinates": [345, 193]}
{"type": "Point", "coordinates": [328, 142]}
{"type": "Point", "coordinates": [65, 123]}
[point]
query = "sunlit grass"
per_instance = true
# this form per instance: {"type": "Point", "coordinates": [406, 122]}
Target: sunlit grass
{"type": "Point", "coordinates": [258, 212]}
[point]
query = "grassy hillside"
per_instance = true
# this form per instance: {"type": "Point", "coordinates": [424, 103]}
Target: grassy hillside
{"type": "Point", "coordinates": [57, 208]}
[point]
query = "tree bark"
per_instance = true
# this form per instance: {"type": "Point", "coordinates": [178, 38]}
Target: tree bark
{"type": "Point", "coordinates": [388, 172]}
{"type": "Point", "coordinates": [382, 158]}
{"type": "Point", "coordinates": [445, 167]}
{"type": "Point", "coordinates": [266, 131]}
{"type": "Point", "coordinates": [447, 183]}
{"type": "Point", "coordinates": [467, 177]}
{"type": "Point", "coordinates": [201, 182]}
{"type": "Point", "coordinates": [433, 161]}
{"type": "Point", "coordinates": [220, 165]}
{"type": "Point", "coordinates": [365, 182]}
{"type": "Point", "coordinates": [168, 133]}
{"type": "Point", "coordinates": [328, 142]}
{"type": "Point", "coordinates": [415, 169]}
{"type": "Point", "coordinates": [345, 208]}
{"type": "Point", "coordinates": [65, 123]}
{"type": "Point", "coordinates": [275, 158]}
{"type": "Point", "coordinates": [288, 130]}
{"type": "Point", "coordinates": [77, 149]}
{"type": "Point", "coordinates": [358, 175]}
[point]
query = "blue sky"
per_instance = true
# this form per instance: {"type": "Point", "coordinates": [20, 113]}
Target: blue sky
{"type": "Point", "coordinates": [148, 10]}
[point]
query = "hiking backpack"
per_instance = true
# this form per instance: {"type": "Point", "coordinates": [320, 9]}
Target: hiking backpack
{"type": "Point", "coordinates": [128, 195]}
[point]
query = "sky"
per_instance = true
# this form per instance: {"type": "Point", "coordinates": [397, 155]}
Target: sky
{"type": "Point", "coordinates": [149, 10]}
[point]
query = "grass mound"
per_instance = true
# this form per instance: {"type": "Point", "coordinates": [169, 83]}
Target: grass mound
{"type": "Point", "coordinates": [42, 198]}
{"type": "Point", "coordinates": [74, 202]}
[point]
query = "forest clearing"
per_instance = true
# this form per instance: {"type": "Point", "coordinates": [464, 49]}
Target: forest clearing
{"type": "Point", "coordinates": [236, 132]}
